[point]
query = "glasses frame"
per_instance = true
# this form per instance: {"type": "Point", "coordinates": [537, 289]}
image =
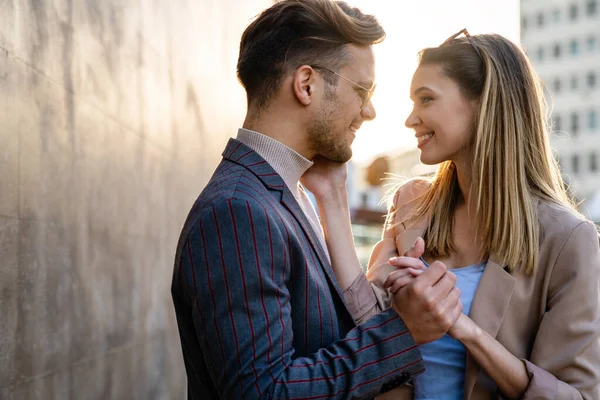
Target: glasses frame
{"type": "Point", "coordinates": [466, 32]}
{"type": "Point", "coordinates": [368, 91]}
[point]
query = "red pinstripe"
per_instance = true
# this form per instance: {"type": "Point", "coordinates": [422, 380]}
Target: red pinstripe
{"type": "Point", "coordinates": [259, 274]}
{"type": "Point", "coordinates": [357, 352]}
{"type": "Point", "coordinates": [283, 271]}
{"type": "Point", "coordinates": [244, 155]}
{"type": "Point", "coordinates": [212, 294]}
{"type": "Point", "coordinates": [256, 164]}
{"type": "Point", "coordinates": [244, 286]}
{"type": "Point", "coordinates": [237, 345]}
{"type": "Point", "coordinates": [368, 364]}
{"type": "Point", "coordinates": [360, 384]}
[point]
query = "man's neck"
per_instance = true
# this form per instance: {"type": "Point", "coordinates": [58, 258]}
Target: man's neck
{"type": "Point", "coordinates": [282, 130]}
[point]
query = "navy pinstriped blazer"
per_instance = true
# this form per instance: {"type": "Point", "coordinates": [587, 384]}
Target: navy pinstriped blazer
{"type": "Point", "coordinates": [259, 311]}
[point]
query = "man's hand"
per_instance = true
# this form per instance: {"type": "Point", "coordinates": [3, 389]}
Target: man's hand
{"type": "Point", "coordinates": [430, 304]}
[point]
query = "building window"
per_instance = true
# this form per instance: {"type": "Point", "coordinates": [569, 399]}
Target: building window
{"type": "Point", "coordinates": [573, 12]}
{"type": "Point", "coordinates": [524, 22]}
{"type": "Point", "coordinates": [592, 120]}
{"type": "Point", "coordinates": [540, 20]}
{"type": "Point", "coordinates": [556, 16]}
{"type": "Point", "coordinates": [556, 85]}
{"type": "Point", "coordinates": [574, 47]}
{"type": "Point", "coordinates": [575, 163]}
{"type": "Point", "coordinates": [540, 54]}
{"type": "Point", "coordinates": [364, 200]}
{"type": "Point", "coordinates": [591, 79]}
{"type": "Point", "coordinates": [574, 124]}
{"type": "Point", "coordinates": [556, 50]}
{"type": "Point", "coordinates": [592, 7]}
{"type": "Point", "coordinates": [591, 43]}
{"type": "Point", "coordinates": [593, 162]}
{"type": "Point", "coordinates": [574, 82]}
{"type": "Point", "coordinates": [557, 123]}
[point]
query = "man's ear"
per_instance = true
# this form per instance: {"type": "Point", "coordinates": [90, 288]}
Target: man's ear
{"type": "Point", "coordinates": [304, 84]}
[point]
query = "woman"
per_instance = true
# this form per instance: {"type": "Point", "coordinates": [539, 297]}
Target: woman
{"type": "Point", "coordinates": [496, 214]}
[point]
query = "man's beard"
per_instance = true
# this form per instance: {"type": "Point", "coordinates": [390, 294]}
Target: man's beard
{"type": "Point", "coordinates": [323, 139]}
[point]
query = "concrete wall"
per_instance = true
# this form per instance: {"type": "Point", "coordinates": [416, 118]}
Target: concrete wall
{"type": "Point", "coordinates": [113, 115]}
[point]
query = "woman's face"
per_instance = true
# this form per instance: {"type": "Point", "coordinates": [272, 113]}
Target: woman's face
{"type": "Point", "coordinates": [442, 117]}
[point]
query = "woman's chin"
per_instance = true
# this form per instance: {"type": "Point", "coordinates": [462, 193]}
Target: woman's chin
{"type": "Point", "coordinates": [428, 160]}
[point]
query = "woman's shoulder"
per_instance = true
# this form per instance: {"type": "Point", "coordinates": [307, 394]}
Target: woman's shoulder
{"type": "Point", "coordinates": [558, 217]}
{"type": "Point", "coordinates": [409, 191]}
{"type": "Point", "coordinates": [561, 224]}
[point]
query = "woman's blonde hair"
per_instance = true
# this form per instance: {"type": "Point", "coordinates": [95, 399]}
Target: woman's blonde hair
{"type": "Point", "coordinates": [512, 161]}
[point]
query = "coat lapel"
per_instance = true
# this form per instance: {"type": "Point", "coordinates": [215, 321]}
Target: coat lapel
{"type": "Point", "coordinates": [488, 309]}
{"type": "Point", "coordinates": [293, 207]}
{"type": "Point", "coordinates": [241, 154]}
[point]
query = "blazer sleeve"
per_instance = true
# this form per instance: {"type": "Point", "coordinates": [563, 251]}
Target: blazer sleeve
{"type": "Point", "coordinates": [565, 359]}
{"type": "Point", "coordinates": [238, 269]}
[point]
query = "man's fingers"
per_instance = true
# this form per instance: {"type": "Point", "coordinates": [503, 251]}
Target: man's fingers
{"type": "Point", "coordinates": [456, 312]}
{"type": "Point", "coordinates": [393, 276]}
{"type": "Point", "coordinates": [443, 287]}
{"type": "Point", "coordinates": [400, 283]}
{"type": "Point", "coordinates": [452, 299]}
{"type": "Point", "coordinates": [417, 250]}
{"type": "Point", "coordinates": [432, 275]}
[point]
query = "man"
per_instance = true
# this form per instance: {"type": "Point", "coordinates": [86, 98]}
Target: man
{"type": "Point", "coordinates": [259, 310]}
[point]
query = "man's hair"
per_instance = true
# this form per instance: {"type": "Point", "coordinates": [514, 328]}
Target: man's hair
{"type": "Point", "coordinates": [292, 33]}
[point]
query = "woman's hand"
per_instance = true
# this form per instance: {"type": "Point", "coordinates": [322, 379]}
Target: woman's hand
{"type": "Point", "coordinates": [325, 177]}
{"type": "Point", "coordinates": [409, 267]}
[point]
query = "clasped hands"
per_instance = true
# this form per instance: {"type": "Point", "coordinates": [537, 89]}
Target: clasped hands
{"type": "Point", "coordinates": [427, 299]}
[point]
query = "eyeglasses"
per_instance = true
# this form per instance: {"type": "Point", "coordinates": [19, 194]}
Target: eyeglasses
{"type": "Point", "coordinates": [366, 93]}
{"type": "Point", "coordinates": [466, 32]}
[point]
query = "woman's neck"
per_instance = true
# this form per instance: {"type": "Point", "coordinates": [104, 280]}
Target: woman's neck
{"type": "Point", "coordinates": [463, 174]}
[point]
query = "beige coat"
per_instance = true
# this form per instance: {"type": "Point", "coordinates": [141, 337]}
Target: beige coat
{"type": "Point", "coordinates": [550, 319]}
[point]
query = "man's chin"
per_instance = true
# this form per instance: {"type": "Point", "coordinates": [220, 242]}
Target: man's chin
{"type": "Point", "coordinates": [340, 157]}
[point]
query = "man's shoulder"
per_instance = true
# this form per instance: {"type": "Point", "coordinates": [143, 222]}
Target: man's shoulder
{"type": "Point", "coordinates": [231, 185]}
{"type": "Point", "coordinates": [232, 181]}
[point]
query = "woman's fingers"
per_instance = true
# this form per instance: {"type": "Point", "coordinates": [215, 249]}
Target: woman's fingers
{"type": "Point", "coordinates": [401, 276]}
{"type": "Point", "coordinates": [406, 262]}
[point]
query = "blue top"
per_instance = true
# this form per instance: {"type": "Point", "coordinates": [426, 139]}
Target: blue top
{"type": "Point", "coordinates": [445, 359]}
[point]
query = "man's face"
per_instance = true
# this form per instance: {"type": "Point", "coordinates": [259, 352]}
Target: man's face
{"type": "Point", "coordinates": [343, 108]}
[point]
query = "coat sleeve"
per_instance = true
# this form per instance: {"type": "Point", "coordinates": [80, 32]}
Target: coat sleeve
{"type": "Point", "coordinates": [237, 266]}
{"type": "Point", "coordinates": [565, 360]}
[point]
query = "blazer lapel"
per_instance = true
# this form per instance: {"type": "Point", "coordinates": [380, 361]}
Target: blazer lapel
{"type": "Point", "coordinates": [241, 154]}
{"type": "Point", "coordinates": [293, 207]}
{"type": "Point", "coordinates": [488, 309]}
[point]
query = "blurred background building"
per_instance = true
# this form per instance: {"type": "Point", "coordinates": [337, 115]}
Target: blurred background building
{"type": "Point", "coordinates": [562, 37]}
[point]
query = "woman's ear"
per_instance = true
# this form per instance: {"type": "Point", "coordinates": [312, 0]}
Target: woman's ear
{"type": "Point", "coordinates": [304, 84]}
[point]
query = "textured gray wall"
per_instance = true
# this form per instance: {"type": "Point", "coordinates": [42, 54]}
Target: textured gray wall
{"type": "Point", "coordinates": [113, 114]}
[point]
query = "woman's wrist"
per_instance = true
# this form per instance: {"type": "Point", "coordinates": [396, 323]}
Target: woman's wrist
{"type": "Point", "coordinates": [467, 331]}
{"type": "Point", "coordinates": [335, 196]}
